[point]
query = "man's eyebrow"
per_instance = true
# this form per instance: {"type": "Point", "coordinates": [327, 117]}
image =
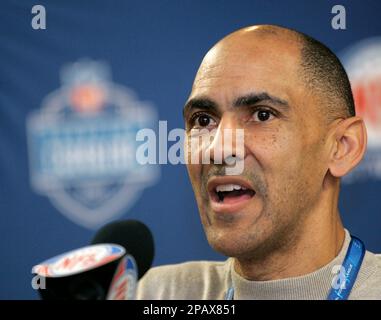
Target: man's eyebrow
{"type": "Point", "coordinates": [200, 103]}
{"type": "Point", "coordinates": [254, 98]}
{"type": "Point", "coordinates": [205, 103]}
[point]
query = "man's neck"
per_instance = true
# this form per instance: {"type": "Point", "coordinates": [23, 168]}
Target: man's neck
{"type": "Point", "coordinates": [313, 249]}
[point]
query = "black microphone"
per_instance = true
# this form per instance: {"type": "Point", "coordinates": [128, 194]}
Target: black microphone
{"type": "Point", "coordinates": [134, 236]}
{"type": "Point", "coordinates": [120, 253]}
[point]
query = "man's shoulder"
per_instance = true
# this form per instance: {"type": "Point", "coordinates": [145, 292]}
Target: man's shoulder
{"type": "Point", "coordinates": [377, 258]}
{"type": "Point", "coordinates": [377, 277]}
{"type": "Point", "coordinates": [188, 280]}
{"type": "Point", "coordinates": [378, 265]}
{"type": "Point", "coordinates": [370, 278]}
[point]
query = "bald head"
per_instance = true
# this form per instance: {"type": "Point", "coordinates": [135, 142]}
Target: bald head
{"type": "Point", "coordinates": [314, 65]}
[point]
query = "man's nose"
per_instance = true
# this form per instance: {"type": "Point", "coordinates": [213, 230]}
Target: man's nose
{"type": "Point", "coordinates": [227, 143]}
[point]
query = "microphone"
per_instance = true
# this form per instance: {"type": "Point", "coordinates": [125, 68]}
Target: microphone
{"type": "Point", "coordinates": [120, 254]}
{"type": "Point", "coordinates": [132, 235]}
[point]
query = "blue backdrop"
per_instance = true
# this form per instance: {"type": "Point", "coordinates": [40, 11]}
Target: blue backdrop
{"type": "Point", "coordinates": [154, 49]}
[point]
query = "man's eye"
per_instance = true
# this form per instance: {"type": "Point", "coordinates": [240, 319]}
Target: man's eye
{"type": "Point", "coordinates": [202, 120]}
{"type": "Point", "coordinates": [263, 115]}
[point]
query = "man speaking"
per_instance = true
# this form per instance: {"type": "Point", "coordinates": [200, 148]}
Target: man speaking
{"type": "Point", "coordinates": [278, 220]}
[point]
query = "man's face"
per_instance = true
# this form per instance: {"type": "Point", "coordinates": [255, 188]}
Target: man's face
{"type": "Point", "coordinates": [254, 84]}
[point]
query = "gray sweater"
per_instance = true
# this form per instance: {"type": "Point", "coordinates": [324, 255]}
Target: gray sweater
{"type": "Point", "coordinates": [211, 280]}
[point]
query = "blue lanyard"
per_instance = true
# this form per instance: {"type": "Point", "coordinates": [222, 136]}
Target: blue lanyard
{"type": "Point", "coordinates": [350, 267]}
{"type": "Point", "coordinates": [352, 263]}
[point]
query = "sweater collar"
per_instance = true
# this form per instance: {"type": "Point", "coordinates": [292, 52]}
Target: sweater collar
{"type": "Point", "coordinates": [315, 285]}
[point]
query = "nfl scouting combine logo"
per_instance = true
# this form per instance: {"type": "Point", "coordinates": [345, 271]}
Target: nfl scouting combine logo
{"type": "Point", "coordinates": [82, 145]}
{"type": "Point", "coordinates": [363, 64]}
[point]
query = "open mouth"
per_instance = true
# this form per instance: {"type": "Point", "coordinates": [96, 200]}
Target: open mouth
{"type": "Point", "coordinates": [227, 194]}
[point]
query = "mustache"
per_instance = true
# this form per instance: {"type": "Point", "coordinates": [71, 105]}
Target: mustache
{"type": "Point", "coordinates": [253, 177]}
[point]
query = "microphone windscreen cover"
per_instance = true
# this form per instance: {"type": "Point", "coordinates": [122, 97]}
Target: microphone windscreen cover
{"type": "Point", "coordinates": [134, 236]}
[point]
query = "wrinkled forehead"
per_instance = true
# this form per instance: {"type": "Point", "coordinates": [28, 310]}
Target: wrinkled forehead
{"type": "Point", "coordinates": [250, 63]}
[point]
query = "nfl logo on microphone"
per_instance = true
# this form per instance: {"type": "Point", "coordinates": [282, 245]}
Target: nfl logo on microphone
{"type": "Point", "coordinates": [82, 145]}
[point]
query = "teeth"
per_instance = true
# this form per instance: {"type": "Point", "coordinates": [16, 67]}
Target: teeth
{"type": "Point", "coordinates": [229, 187]}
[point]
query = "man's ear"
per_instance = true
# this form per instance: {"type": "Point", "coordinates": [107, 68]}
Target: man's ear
{"type": "Point", "coordinates": [350, 140]}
